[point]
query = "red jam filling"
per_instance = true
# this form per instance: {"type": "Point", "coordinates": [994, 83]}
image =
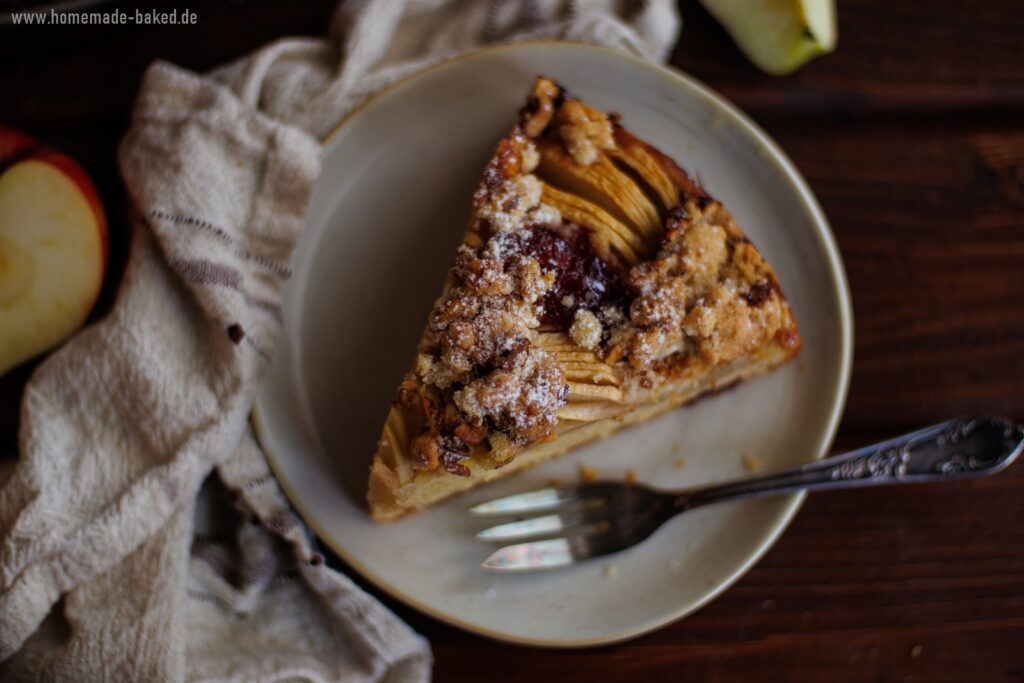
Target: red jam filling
{"type": "Point", "coordinates": [583, 280]}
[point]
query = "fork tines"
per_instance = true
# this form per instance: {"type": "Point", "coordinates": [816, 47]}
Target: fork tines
{"type": "Point", "coordinates": [565, 524]}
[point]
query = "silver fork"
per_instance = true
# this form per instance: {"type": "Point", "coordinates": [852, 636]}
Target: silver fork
{"type": "Point", "coordinates": [577, 522]}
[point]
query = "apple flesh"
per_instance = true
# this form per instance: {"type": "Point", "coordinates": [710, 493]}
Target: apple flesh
{"type": "Point", "coordinates": [53, 248]}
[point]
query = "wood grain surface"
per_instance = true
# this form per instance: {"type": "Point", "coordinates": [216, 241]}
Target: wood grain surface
{"type": "Point", "coordinates": [912, 137]}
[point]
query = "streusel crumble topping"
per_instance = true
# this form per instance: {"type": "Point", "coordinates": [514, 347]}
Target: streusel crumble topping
{"type": "Point", "coordinates": [520, 396]}
{"type": "Point", "coordinates": [585, 131]}
{"type": "Point", "coordinates": [586, 329]}
{"type": "Point", "coordinates": [707, 292]}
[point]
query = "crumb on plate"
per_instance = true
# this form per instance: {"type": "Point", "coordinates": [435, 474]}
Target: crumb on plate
{"type": "Point", "coordinates": [751, 463]}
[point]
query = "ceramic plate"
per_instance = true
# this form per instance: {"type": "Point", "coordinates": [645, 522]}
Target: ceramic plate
{"type": "Point", "coordinates": [386, 216]}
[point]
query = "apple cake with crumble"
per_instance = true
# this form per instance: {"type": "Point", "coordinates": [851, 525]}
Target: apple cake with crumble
{"type": "Point", "coordinates": [597, 286]}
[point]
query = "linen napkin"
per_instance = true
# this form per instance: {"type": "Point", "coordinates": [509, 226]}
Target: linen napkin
{"type": "Point", "coordinates": [102, 573]}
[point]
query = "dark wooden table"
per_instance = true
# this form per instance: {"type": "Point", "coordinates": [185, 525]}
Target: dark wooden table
{"type": "Point", "coordinates": [912, 136]}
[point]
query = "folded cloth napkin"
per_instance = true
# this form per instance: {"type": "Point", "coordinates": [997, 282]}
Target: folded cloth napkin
{"type": "Point", "coordinates": [102, 576]}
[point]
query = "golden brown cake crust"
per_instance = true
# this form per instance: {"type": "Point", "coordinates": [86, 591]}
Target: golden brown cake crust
{"type": "Point", "coordinates": [597, 280]}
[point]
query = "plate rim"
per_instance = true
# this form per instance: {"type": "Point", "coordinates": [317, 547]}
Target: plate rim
{"type": "Point", "coordinates": [794, 501]}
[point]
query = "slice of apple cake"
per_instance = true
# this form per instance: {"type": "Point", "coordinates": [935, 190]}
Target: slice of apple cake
{"type": "Point", "coordinates": [597, 286]}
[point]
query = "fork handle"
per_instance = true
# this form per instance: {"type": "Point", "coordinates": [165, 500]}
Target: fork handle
{"type": "Point", "coordinates": [959, 448]}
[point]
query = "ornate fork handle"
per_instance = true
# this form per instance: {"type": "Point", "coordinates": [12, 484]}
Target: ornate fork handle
{"type": "Point", "coordinates": [960, 448]}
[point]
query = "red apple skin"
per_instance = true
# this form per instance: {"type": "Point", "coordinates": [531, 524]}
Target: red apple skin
{"type": "Point", "coordinates": [13, 145]}
{"type": "Point", "coordinates": [16, 146]}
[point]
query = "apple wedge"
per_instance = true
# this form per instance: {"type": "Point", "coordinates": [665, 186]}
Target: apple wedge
{"type": "Point", "coordinates": [53, 248]}
{"type": "Point", "coordinates": [778, 36]}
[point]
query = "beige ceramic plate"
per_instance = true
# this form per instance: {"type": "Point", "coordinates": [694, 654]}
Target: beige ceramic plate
{"type": "Point", "coordinates": [386, 217]}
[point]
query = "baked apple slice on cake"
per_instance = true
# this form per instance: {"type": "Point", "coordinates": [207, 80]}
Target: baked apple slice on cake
{"type": "Point", "coordinates": [597, 286]}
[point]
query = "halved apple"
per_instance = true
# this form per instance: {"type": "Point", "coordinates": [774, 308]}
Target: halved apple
{"type": "Point", "coordinates": [53, 247]}
{"type": "Point", "coordinates": [778, 35]}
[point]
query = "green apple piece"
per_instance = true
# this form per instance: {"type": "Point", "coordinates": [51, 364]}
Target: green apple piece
{"type": "Point", "coordinates": [778, 36]}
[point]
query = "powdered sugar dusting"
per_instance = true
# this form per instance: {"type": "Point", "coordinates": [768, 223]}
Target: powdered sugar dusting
{"type": "Point", "coordinates": [507, 206]}
{"type": "Point", "coordinates": [521, 396]}
{"type": "Point", "coordinates": [545, 214]}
